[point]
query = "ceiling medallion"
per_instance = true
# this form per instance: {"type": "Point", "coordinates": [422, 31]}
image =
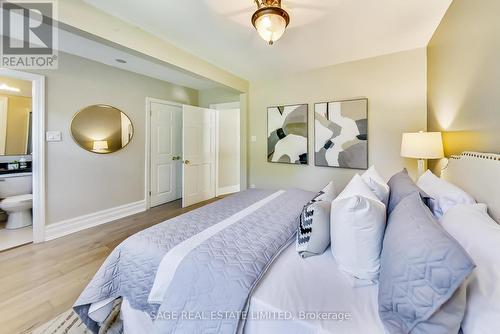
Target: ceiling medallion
{"type": "Point", "coordinates": [270, 20]}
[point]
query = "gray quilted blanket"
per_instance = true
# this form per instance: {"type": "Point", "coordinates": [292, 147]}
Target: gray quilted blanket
{"type": "Point", "coordinates": [212, 283]}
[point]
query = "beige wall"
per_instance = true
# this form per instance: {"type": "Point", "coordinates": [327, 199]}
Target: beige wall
{"type": "Point", "coordinates": [396, 87]}
{"type": "Point", "coordinates": [206, 97]}
{"type": "Point", "coordinates": [19, 108]}
{"type": "Point", "coordinates": [80, 182]}
{"type": "Point", "coordinates": [464, 77]}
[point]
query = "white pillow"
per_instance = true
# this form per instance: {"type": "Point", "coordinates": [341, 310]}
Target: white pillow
{"type": "Point", "coordinates": [357, 225]}
{"type": "Point", "coordinates": [377, 184]}
{"type": "Point", "coordinates": [330, 190]}
{"type": "Point", "coordinates": [444, 195]}
{"type": "Point", "coordinates": [479, 235]}
{"type": "Point", "coordinates": [357, 187]}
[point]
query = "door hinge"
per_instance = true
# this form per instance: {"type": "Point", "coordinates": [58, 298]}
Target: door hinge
{"type": "Point", "coordinates": [150, 193]}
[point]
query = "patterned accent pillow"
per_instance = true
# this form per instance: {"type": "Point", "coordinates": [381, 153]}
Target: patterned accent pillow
{"type": "Point", "coordinates": [422, 271]}
{"type": "Point", "coordinates": [313, 235]}
{"type": "Point", "coordinates": [401, 186]}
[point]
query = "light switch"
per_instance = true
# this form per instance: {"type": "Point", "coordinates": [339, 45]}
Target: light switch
{"type": "Point", "coordinates": [253, 139]}
{"type": "Point", "coordinates": [53, 136]}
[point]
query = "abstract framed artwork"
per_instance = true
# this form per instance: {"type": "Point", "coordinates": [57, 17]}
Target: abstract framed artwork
{"type": "Point", "coordinates": [341, 134]}
{"type": "Point", "coordinates": [287, 134]}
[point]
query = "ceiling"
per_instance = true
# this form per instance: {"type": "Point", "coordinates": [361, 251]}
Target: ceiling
{"type": "Point", "coordinates": [87, 46]}
{"type": "Point", "coordinates": [99, 51]}
{"type": "Point", "coordinates": [321, 32]}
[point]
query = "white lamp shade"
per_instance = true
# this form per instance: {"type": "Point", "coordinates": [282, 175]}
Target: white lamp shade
{"type": "Point", "coordinates": [100, 145]}
{"type": "Point", "coordinates": [422, 145]}
{"type": "Point", "coordinates": [270, 27]}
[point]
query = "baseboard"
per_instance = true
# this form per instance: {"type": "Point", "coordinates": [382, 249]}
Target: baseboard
{"type": "Point", "coordinates": [228, 190]}
{"type": "Point", "coordinates": [69, 226]}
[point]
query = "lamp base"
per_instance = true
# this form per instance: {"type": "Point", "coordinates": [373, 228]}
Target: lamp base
{"type": "Point", "coordinates": [421, 167]}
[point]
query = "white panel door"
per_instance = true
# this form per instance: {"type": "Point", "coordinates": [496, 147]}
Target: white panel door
{"type": "Point", "coordinates": [166, 152]}
{"type": "Point", "coordinates": [198, 139]}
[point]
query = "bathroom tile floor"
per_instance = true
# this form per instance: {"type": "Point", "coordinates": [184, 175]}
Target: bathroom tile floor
{"type": "Point", "coordinates": [14, 238]}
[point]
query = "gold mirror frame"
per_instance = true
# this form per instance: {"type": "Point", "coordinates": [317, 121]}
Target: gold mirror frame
{"type": "Point", "coordinates": [99, 129]}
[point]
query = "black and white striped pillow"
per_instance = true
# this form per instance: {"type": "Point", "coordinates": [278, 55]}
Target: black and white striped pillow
{"type": "Point", "coordinates": [313, 235]}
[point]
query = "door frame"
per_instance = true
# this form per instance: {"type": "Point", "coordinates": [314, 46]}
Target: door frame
{"type": "Point", "coordinates": [38, 147]}
{"type": "Point", "coordinates": [147, 171]}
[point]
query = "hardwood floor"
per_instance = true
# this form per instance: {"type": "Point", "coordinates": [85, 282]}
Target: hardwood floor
{"type": "Point", "coordinates": [40, 281]}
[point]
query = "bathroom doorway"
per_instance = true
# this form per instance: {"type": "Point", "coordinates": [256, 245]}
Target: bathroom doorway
{"type": "Point", "coordinates": [22, 202]}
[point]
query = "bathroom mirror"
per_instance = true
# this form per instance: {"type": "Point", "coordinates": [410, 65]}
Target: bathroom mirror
{"type": "Point", "coordinates": [15, 117]}
{"type": "Point", "coordinates": [102, 129]}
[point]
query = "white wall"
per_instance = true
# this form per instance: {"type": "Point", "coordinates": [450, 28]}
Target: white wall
{"type": "Point", "coordinates": [80, 182]}
{"type": "Point", "coordinates": [396, 87]}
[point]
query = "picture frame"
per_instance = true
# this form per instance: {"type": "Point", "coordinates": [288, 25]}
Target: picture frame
{"type": "Point", "coordinates": [341, 134]}
{"type": "Point", "coordinates": [288, 134]}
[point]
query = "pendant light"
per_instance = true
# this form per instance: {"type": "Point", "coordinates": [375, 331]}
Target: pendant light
{"type": "Point", "coordinates": [270, 20]}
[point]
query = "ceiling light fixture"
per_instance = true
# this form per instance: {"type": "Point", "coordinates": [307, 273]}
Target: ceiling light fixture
{"type": "Point", "coordinates": [9, 89]}
{"type": "Point", "coordinates": [270, 20]}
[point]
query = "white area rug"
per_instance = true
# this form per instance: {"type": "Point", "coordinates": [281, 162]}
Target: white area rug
{"type": "Point", "coordinates": [69, 323]}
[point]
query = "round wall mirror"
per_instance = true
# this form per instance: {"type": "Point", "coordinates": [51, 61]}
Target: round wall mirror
{"type": "Point", "coordinates": [101, 129]}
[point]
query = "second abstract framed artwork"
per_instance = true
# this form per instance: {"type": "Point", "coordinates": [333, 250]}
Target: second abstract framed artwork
{"type": "Point", "coordinates": [287, 134]}
{"type": "Point", "coordinates": [341, 134]}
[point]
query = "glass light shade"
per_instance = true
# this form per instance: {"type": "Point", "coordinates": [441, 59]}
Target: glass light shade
{"type": "Point", "coordinates": [270, 27]}
{"type": "Point", "coordinates": [422, 145]}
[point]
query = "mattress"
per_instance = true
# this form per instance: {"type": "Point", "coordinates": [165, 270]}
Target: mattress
{"type": "Point", "coordinates": [311, 296]}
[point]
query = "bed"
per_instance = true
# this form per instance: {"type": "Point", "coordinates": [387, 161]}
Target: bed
{"type": "Point", "coordinates": [315, 296]}
{"type": "Point", "coordinates": [175, 267]}
{"type": "Point", "coordinates": [208, 260]}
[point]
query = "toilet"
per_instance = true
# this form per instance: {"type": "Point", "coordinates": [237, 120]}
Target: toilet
{"type": "Point", "coordinates": [18, 209]}
{"type": "Point", "coordinates": [16, 191]}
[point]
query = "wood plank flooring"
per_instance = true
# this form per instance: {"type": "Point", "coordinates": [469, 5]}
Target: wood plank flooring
{"type": "Point", "coordinates": [40, 281]}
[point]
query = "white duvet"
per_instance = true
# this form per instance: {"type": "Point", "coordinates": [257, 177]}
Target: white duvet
{"type": "Point", "coordinates": [315, 289]}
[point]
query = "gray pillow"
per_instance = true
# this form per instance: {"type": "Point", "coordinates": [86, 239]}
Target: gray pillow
{"type": "Point", "coordinates": [402, 185]}
{"type": "Point", "coordinates": [422, 271]}
{"type": "Point", "coordinates": [313, 235]}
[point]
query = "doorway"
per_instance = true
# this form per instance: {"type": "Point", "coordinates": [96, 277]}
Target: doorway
{"type": "Point", "coordinates": [228, 148]}
{"type": "Point", "coordinates": [22, 162]}
{"type": "Point", "coordinates": [180, 153]}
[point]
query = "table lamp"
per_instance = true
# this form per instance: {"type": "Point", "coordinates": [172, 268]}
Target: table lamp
{"type": "Point", "coordinates": [422, 145]}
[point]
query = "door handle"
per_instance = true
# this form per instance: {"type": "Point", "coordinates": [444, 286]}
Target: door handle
{"type": "Point", "coordinates": [176, 158]}
{"type": "Point", "coordinates": [187, 162]}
